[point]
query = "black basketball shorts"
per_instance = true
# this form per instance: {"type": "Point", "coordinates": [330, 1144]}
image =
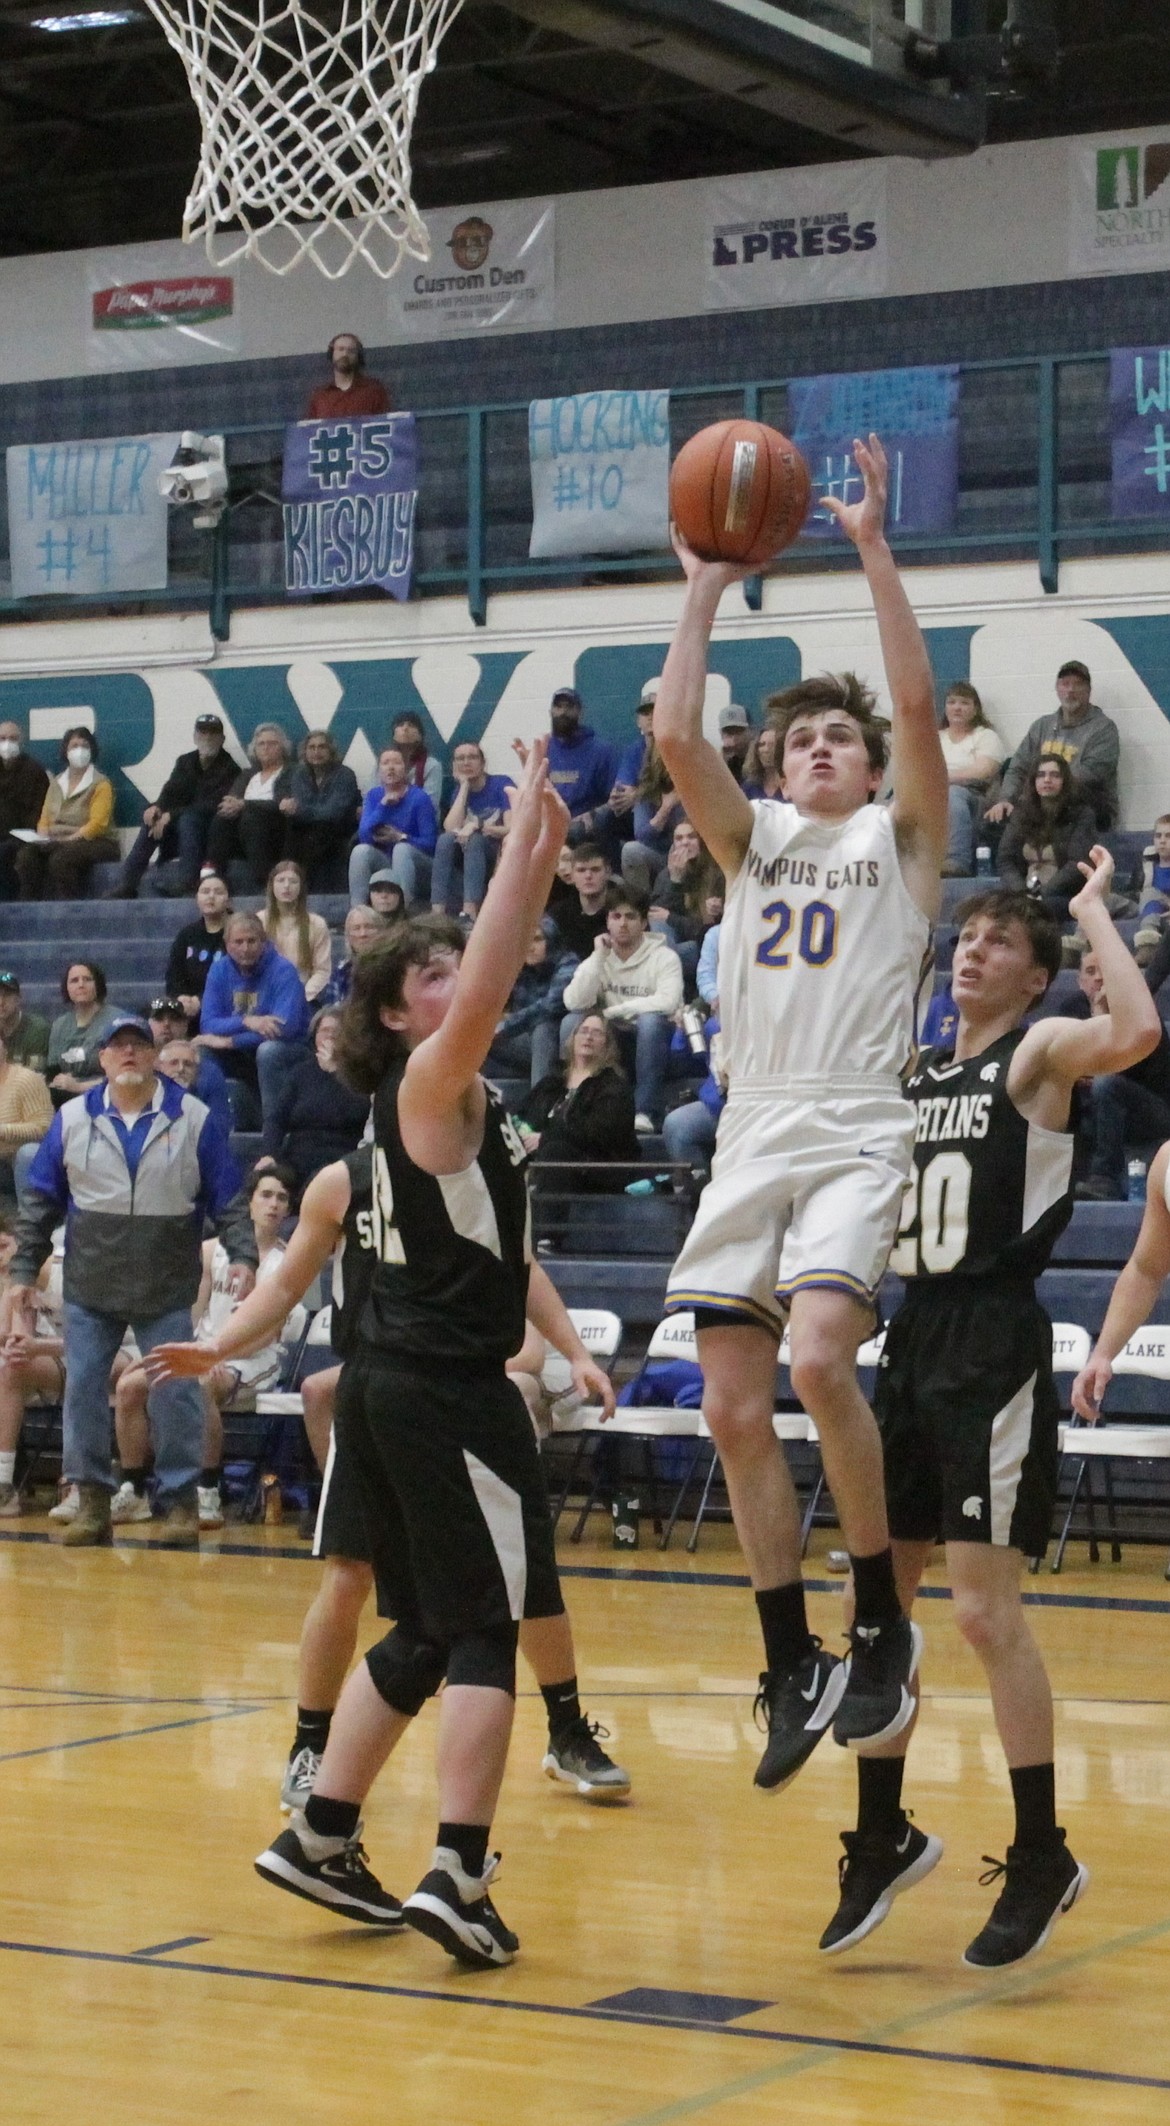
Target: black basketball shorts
{"type": "Point", "coordinates": [447, 1476]}
{"type": "Point", "coordinates": [969, 1417]}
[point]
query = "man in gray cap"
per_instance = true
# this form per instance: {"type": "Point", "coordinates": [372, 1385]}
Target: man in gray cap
{"type": "Point", "coordinates": [735, 736]}
{"type": "Point", "coordinates": [1082, 734]}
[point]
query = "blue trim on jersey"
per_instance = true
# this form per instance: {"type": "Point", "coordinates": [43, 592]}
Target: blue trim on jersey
{"type": "Point", "coordinates": [680, 1302]}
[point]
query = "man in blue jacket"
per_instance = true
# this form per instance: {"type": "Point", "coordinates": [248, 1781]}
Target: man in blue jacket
{"type": "Point", "coordinates": [254, 1002]}
{"type": "Point", "coordinates": [133, 1166]}
{"type": "Point", "coordinates": [398, 830]}
{"type": "Point", "coordinates": [580, 765]}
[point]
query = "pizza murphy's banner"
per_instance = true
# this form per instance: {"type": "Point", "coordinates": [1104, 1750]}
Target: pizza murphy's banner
{"type": "Point", "coordinates": [916, 414]}
{"type": "Point", "coordinates": [349, 493]}
{"type": "Point", "coordinates": [149, 306]}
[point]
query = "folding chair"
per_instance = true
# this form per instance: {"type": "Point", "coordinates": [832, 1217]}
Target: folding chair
{"type": "Point", "coordinates": [600, 1330]}
{"type": "Point", "coordinates": [673, 1338]}
{"type": "Point", "coordinates": [1144, 1362]}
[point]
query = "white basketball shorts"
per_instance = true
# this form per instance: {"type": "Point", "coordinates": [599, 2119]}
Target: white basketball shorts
{"type": "Point", "coordinates": [805, 1193]}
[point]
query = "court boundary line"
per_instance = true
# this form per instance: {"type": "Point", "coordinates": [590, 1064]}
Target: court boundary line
{"type": "Point", "coordinates": [129, 1734]}
{"type": "Point", "coordinates": [815, 2046]}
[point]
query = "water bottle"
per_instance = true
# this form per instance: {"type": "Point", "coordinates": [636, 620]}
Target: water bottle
{"type": "Point", "coordinates": [983, 864]}
{"type": "Point", "coordinates": [626, 1510]}
{"type": "Point", "coordinates": [1135, 1181]}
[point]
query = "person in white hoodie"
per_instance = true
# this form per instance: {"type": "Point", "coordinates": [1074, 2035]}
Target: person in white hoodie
{"type": "Point", "coordinates": [635, 979]}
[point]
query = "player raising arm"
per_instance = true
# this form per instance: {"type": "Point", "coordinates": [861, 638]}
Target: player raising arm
{"type": "Point", "coordinates": [826, 927]}
{"type": "Point", "coordinates": [1134, 1294]}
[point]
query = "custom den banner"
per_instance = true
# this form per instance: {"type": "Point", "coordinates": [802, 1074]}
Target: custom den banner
{"type": "Point", "coordinates": [916, 414]}
{"type": "Point", "coordinates": [488, 268]}
{"type": "Point", "coordinates": [349, 493]}
{"type": "Point", "coordinates": [86, 518]}
{"type": "Point", "coordinates": [600, 464]}
{"type": "Point", "coordinates": [1139, 422]}
{"type": "Point", "coordinates": [1119, 204]}
{"type": "Point", "coordinates": [797, 236]}
{"type": "Point", "coordinates": [157, 305]}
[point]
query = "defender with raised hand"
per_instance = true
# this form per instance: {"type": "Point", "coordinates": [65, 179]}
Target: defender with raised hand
{"type": "Point", "coordinates": [830, 898]}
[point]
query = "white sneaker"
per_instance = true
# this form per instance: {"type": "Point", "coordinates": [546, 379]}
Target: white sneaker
{"type": "Point", "coordinates": [210, 1506]}
{"type": "Point", "coordinates": [129, 1505]}
{"type": "Point", "coordinates": [68, 1506]}
{"type": "Point", "coordinates": [643, 1125]}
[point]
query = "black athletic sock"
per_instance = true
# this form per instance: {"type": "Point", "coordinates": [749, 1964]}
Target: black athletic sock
{"type": "Point", "coordinates": [1034, 1794]}
{"type": "Point", "coordinates": [136, 1478]}
{"type": "Point", "coordinates": [562, 1705]}
{"type": "Point", "coordinates": [874, 1588]}
{"type": "Point", "coordinates": [209, 1480]}
{"type": "Point", "coordinates": [784, 1625]}
{"type": "Point", "coordinates": [879, 1795]}
{"type": "Point", "coordinates": [312, 1731]}
{"type": "Point", "coordinates": [469, 1840]}
{"type": "Point", "coordinates": [331, 1819]}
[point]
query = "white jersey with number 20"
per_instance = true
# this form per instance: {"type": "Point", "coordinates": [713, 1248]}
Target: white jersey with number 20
{"type": "Point", "coordinates": [821, 951]}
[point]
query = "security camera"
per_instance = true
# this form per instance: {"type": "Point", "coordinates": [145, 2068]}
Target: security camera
{"type": "Point", "coordinates": [197, 475]}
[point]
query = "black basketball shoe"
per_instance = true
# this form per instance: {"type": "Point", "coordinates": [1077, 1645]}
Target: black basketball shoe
{"type": "Point", "coordinates": [872, 1873]}
{"type": "Point", "coordinates": [454, 1909]}
{"type": "Point", "coordinates": [1037, 1888]}
{"type": "Point", "coordinates": [576, 1758]}
{"type": "Point", "coordinates": [341, 1880]}
{"type": "Point", "coordinates": [877, 1703]}
{"type": "Point", "coordinates": [796, 1709]}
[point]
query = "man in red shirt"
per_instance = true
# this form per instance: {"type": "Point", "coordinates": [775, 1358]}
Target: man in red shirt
{"type": "Point", "coordinates": [351, 391]}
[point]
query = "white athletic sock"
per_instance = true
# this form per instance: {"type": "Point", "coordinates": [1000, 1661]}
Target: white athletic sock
{"type": "Point", "coordinates": [7, 1467]}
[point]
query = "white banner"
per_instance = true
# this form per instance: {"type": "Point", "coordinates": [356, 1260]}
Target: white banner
{"type": "Point", "coordinates": [1119, 205]}
{"type": "Point", "coordinates": [600, 469]}
{"type": "Point", "coordinates": [797, 236]}
{"type": "Point", "coordinates": [489, 267]}
{"type": "Point", "coordinates": [154, 305]}
{"type": "Point", "coordinates": [87, 518]}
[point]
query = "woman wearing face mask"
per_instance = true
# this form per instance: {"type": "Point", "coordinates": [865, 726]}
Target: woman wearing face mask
{"type": "Point", "coordinates": [75, 823]}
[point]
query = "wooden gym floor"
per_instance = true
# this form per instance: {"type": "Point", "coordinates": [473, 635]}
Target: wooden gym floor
{"type": "Point", "coordinates": [669, 1968]}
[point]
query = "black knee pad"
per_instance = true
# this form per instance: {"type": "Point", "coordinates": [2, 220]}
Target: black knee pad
{"type": "Point", "coordinates": [406, 1671]}
{"type": "Point", "coordinates": [486, 1659]}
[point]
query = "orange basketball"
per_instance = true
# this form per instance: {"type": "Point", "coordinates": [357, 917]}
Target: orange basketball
{"type": "Point", "coordinates": [739, 491]}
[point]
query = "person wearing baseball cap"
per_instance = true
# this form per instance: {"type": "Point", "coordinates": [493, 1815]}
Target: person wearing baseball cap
{"type": "Point", "coordinates": [178, 822]}
{"type": "Point", "coordinates": [580, 764]}
{"type": "Point", "coordinates": [1082, 734]}
{"type": "Point", "coordinates": [735, 736]}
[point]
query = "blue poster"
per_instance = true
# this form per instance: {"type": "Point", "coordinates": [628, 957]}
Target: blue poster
{"type": "Point", "coordinates": [87, 518]}
{"type": "Point", "coordinates": [916, 414]}
{"type": "Point", "coordinates": [349, 493]}
{"type": "Point", "coordinates": [1139, 424]}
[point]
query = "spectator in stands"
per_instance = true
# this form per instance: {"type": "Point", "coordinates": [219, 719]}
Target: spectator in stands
{"type": "Point", "coordinates": [1082, 734]}
{"type": "Point", "coordinates": [580, 765]}
{"type": "Point", "coordinates": [735, 737]}
{"type": "Point", "coordinates": [583, 1109]}
{"type": "Point", "coordinates": [23, 784]}
{"type": "Point", "coordinates": [75, 823]}
{"type": "Point", "coordinates": [1155, 900]}
{"type": "Point", "coordinates": [707, 977]}
{"type": "Point", "coordinates": [254, 999]}
{"type": "Point", "coordinates": [614, 821]}
{"type": "Point", "coordinates": [656, 814]}
{"type": "Point", "coordinates": [77, 1035]}
{"type": "Point", "coordinates": [30, 1371]}
{"type": "Point", "coordinates": [386, 897]}
{"type": "Point", "coordinates": [197, 1073]}
{"type": "Point", "coordinates": [528, 1036]}
{"type": "Point", "coordinates": [313, 1117]}
{"type": "Point", "coordinates": [179, 821]}
{"type": "Point", "coordinates": [398, 830]}
{"type": "Point", "coordinates": [1125, 1108]}
{"type": "Point", "coordinates": [363, 927]}
{"type": "Point", "coordinates": [351, 390]}
{"type": "Point", "coordinates": [1050, 832]}
{"type": "Point", "coordinates": [473, 832]}
{"type": "Point", "coordinates": [248, 822]}
{"type": "Point", "coordinates": [636, 980]}
{"type": "Point", "coordinates": [25, 1033]}
{"type": "Point", "coordinates": [167, 1020]}
{"type": "Point", "coordinates": [974, 754]}
{"type": "Point", "coordinates": [687, 894]}
{"type": "Point", "coordinates": [581, 917]}
{"type": "Point", "coordinates": [689, 1131]}
{"type": "Point", "coordinates": [423, 769]}
{"type": "Point", "coordinates": [298, 933]}
{"type": "Point", "coordinates": [940, 1021]}
{"type": "Point", "coordinates": [321, 809]}
{"type": "Point", "coordinates": [761, 769]}
{"type": "Point", "coordinates": [25, 1113]}
{"type": "Point", "coordinates": [198, 944]}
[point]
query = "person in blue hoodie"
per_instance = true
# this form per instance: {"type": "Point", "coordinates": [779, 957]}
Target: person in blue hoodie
{"type": "Point", "coordinates": [580, 765]}
{"type": "Point", "coordinates": [254, 1002]}
{"type": "Point", "coordinates": [397, 831]}
{"type": "Point", "coordinates": [527, 1038]}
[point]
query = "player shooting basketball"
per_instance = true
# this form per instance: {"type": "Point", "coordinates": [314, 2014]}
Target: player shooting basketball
{"type": "Point", "coordinates": [830, 898]}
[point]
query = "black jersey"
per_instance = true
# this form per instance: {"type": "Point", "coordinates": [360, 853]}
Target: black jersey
{"type": "Point", "coordinates": [990, 1193]}
{"type": "Point", "coordinates": [353, 1263]}
{"type": "Point", "coordinates": [450, 1280]}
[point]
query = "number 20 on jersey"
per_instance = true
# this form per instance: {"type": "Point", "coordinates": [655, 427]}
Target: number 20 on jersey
{"type": "Point", "coordinates": [815, 941]}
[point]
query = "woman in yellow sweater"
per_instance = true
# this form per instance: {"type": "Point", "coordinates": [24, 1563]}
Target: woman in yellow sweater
{"type": "Point", "coordinates": [74, 823]}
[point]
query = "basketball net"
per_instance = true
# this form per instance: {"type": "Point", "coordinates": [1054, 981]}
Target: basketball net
{"type": "Point", "coordinates": [306, 127]}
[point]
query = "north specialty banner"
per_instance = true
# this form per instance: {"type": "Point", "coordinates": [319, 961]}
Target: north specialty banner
{"type": "Point", "coordinates": [1139, 422]}
{"type": "Point", "coordinates": [1119, 204]}
{"type": "Point", "coordinates": [490, 269]}
{"type": "Point", "coordinates": [600, 464]}
{"type": "Point", "coordinates": [797, 236]}
{"type": "Point", "coordinates": [916, 414]}
{"type": "Point", "coordinates": [349, 494]}
{"type": "Point", "coordinates": [87, 518]}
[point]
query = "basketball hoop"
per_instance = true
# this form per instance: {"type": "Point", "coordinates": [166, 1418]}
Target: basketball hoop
{"type": "Point", "coordinates": [306, 127]}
